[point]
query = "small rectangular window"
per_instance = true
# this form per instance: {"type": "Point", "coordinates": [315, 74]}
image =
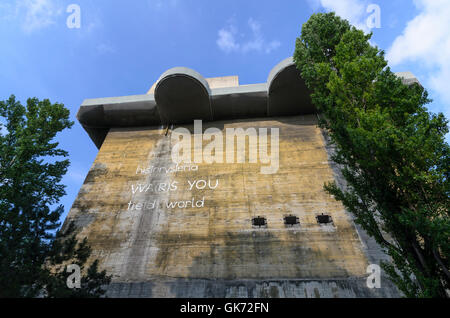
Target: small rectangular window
{"type": "Point", "coordinates": [259, 221]}
{"type": "Point", "coordinates": [291, 220]}
{"type": "Point", "coordinates": [324, 219]}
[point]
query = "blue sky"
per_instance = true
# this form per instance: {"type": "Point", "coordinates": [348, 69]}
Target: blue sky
{"type": "Point", "coordinates": [122, 47]}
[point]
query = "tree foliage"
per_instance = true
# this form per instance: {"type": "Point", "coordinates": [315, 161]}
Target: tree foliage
{"type": "Point", "coordinates": [392, 151]}
{"type": "Point", "coordinates": [32, 250]}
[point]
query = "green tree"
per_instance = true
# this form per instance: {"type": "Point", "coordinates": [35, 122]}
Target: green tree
{"type": "Point", "coordinates": [32, 250]}
{"type": "Point", "coordinates": [391, 150]}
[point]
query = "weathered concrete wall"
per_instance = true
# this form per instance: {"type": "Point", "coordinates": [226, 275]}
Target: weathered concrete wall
{"type": "Point", "coordinates": [212, 250]}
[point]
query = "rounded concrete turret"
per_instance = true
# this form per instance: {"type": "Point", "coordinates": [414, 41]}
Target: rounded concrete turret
{"type": "Point", "coordinates": [287, 92]}
{"type": "Point", "coordinates": [182, 95]}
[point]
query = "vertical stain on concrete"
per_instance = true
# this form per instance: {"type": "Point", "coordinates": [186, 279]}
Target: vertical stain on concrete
{"type": "Point", "coordinates": [148, 221]}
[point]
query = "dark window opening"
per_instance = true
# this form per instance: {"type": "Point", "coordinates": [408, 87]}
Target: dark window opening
{"type": "Point", "coordinates": [291, 220]}
{"type": "Point", "coordinates": [324, 219]}
{"type": "Point", "coordinates": [259, 221]}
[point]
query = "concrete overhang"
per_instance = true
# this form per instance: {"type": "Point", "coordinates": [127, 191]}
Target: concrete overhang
{"type": "Point", "coordinates": [182, 95]}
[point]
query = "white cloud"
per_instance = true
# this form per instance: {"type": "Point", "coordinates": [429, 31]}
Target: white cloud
{"type": "Point", "coordinates": [227, 41]}
{"type": "Point", "coordinates": [352, 10]}
{"type": "Point", "coordinates": [32, 15]}
{"type": "Point", "coordinates": [314, 4]}
{"type": "Point", "coordinates": [37, 14]}
{"type": "Point", "coordinates": [426, 41]}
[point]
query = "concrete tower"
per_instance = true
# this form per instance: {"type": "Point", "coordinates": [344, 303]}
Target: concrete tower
{"type": "Point", "coordinates": [221, 229]}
